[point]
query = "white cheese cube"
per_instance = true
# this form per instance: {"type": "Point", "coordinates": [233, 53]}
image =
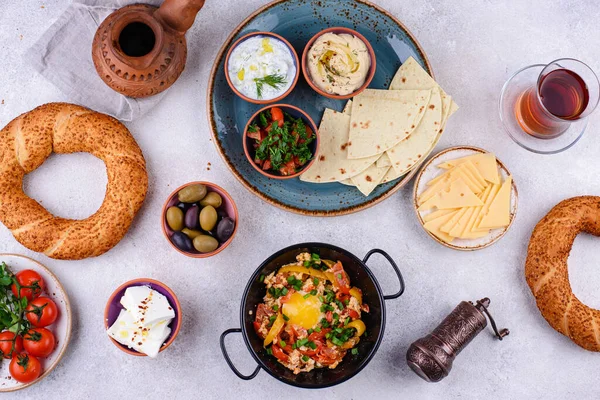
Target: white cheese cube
{"type": "Point", "coordinates": [146, 305]}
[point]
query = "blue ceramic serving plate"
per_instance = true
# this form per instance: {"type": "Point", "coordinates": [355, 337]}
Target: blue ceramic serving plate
{"type": "Point", "coordinates": [298, 21]}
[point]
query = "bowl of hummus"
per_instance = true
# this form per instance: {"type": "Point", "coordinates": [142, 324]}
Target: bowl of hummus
{"type": "Point", "coordinates": [338, 63]}
{"type": "Point", "coordinates": [262, 67]}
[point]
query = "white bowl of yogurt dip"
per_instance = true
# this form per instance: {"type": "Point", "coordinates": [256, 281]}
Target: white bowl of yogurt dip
{"type": "Point", "coordinates": [262, 67]}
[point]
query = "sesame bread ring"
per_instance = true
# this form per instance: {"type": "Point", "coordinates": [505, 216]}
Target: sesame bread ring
{"type": "Point", "coordinates": [547, 274]}
{"type": "Point", "coordinates": [29, 139]}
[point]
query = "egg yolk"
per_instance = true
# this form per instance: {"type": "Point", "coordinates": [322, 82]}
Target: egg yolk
{"type": "Point", "coordinates": [301, 311]}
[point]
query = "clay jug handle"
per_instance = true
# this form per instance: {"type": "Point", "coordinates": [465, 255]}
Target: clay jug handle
{"type": "Point", "coordinates": [178, 15]}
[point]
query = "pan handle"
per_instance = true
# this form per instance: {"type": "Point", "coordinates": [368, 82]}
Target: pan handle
{"type": "Point", "coordinates": [396, 269]}
{"type": "Point", "coordinates": [228, 360]}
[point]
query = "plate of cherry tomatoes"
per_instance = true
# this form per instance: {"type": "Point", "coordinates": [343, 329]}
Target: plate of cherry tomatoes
{"type": "Point", "coordinates": [35, 322]}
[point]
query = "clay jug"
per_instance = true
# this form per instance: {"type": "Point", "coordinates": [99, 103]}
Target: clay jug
{"type": "Point", "coordinates": [140, 50]}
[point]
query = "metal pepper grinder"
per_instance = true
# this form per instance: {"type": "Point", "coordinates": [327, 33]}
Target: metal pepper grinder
{"type": "Point", "coordinates": [431, 357]}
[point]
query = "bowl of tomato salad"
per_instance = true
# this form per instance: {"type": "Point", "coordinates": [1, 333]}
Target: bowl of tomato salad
{"type": "Point", "coordinates": [313, 315]}
{"type": "Point", "coordinates": [280, 141]}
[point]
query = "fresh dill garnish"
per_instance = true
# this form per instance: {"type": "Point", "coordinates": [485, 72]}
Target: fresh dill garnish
{"type": "Point", "coordinates": [273, 80]}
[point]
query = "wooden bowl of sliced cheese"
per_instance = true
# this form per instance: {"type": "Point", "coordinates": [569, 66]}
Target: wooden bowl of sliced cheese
{"type": "Point", "coordinates": [465, 198]}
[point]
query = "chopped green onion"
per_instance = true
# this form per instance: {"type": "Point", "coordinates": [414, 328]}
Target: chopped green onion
{"type": "Point", "coordinates": [305, 358]}
{"type": "Point", "coordinates": [318, 329]}
{"type": "Point", "coordinates": [275, 307]}
{"type": "Point", "coordinates": [261, 278]}
{"type": "Point", "coordinates": [306, 296]}
{"type": "Point", "coordinates": [285, 317]}
{"type": "Point", "coordinates": [313, 292]}
{"type": "Point", "coordinates": [354, 351]}
{"type": "Point", "coordinates": [284, 291]}
{"type": "Point", "coordinates": [281, 343]}
{"type": "Point", "coordinates": [336, 341]}
{"type": "Point", "coordinates": [272, 318]}
{"type": "Point", "coordinates": [312, 345]}
{"type": "Point", "coordinates": [316, 281]}
{"type": "Point", "coordinates": [310, 331]}
{"type": "Point", "coordinates": [269, 351]}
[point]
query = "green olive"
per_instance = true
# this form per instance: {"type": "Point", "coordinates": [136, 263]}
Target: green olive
{"type": "Point", "coordinates": [191, 233]}
{"type": "Point", "coordinates": [205, 243]}
{"type": "Point", "coordinates": [212, 199]}
{"type": "Point", "coordinates": [192, 193]}
{"type": "Point", "coordinates": [175, 218]}
{"type": "Point", "coordinates": [208, 218]}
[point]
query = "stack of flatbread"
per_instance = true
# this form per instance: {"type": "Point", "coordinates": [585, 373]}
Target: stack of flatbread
{"type": "Point", "coordinates": [382, 134]}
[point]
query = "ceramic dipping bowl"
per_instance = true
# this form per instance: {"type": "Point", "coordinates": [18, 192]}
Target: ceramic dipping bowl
{"type": "Point", "coordinates": [114, 307]}
{"type": "Point", "coordinates": [227, 208]}
{"type": "Point", "coordinates": [338, 30]}
{"type": "Point", "coordinates": [268, 35]}
{"type": "Point", "coordinates": [294, 112]}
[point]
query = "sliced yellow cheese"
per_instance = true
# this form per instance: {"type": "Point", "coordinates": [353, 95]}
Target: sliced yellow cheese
{"type": "Point", "coordinates": [462, 222]}
{"type": "Point", "coordinates": [438, 213]}
{"type": "Point", "coordinates": [457, 195]}
{"type": "Point", "coordinates": [452, 221]}
{"type": "Point", "coordinates": [444, 183]}
{"type": "Point", "coordinates": [498, 214]}
{"type": "Point", "coordinates": [468, 233]}
{"type": "Point", "coordinates": [485, 208]}
{"type": "Point", "coordinates": [433, 226]}
{"type": "Point", "coordinates": [485, 163]}
{"type": "Point", "coordinates": [460, 170]}
{"type": "Point", "coordinates": [472, 169]}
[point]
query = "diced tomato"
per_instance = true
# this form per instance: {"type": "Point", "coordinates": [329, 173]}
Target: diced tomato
{"type": "Point", "coordinates": [256, 326]}
{"type": "Point", "coordinates": [364, 307]}
{"type": "Point", "coordinates": [329, 316]}
{"type": "Point", "coordinates": [313, 352]}
{"type": "Point", "coordinates": [342, 280]}
{"type": "Point", "coordinates": [278, 352]}
{"type": "Point", "coordinates": [353, 314]}
{"type": "Point", "coordinates": [297, 161]}
{"type": "Point", "coordinates": [319, 336]}
{"type": "Point", "coordinates": [258, 161]}
{"type": "Point", "coordinates": [288, 168]}
{"type": "Point", "coordinates": [342, 296]}
{"type": "Point", "coordinates": [255, 135]}
{"type": "Point", "coordinates": [266, 165]}
{"type": "Point", "coordinates": [277, 115]}
{"type": "Point", "coordinates": [286, 298]}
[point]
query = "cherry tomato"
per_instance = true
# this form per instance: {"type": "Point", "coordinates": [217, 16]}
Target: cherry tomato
{"type": "Point", "coordinates": [9, 344]}
{"type": "Point", "coordinates": [25, 368]}
{"type": "Point", "coordinates": [39, 342]}
{"type": "Point", "coordinates": [289, 168]}
{"type": "Point", "coordinates": [32, 284]}
{"type": "Point", "coordinates": [41, 312]}
{"type": "Point", "coordinates": [277, 115]}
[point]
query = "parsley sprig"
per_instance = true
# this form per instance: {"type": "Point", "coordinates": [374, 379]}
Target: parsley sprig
{"type": "Point", "coordinates": [283, 143]}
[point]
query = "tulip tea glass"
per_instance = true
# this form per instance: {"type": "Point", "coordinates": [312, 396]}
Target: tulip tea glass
{"type": "Point", "coordinates": [544, 108]}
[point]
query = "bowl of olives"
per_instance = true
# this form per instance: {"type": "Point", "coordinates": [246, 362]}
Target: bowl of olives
{"type": "Point", "coordinates": [199, 219]}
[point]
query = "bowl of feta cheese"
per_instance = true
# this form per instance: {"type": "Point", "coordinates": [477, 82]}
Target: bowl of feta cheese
{"type": "Point", "coordinates": [142, 317]}
{"type": "Point", "coordinates": [262, 67]}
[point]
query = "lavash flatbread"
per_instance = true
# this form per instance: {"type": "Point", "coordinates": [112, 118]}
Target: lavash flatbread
{"type": "Point", "coordinates": [368, 180]}
{"type": "Point", "coordinates": [384, 161]}
{"type": "Point", "coordinates": [332, 163]}
{"type": "Point", "coordinates": [380, 119]}
{"type": "Point", "coordinates": [413, 149]}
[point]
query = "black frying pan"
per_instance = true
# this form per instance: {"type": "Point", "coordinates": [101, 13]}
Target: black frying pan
{"type": "Point", "coordinates": [360, 276]}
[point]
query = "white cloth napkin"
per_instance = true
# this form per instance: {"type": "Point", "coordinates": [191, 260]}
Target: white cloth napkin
{"type": "Point", "coordinates": [64, 56]}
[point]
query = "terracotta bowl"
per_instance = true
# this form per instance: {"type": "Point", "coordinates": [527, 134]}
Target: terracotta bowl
{"type": "Point", "coordinates": [294, 56]}
{"type": "Point", "coordinates": [228, 206]}
{"type": "Point", "coordinates": [114, 307]}
{"type": "Point", "coordinates": [339, 30]}
{"type": "Point", "coordinates": [294, 112]}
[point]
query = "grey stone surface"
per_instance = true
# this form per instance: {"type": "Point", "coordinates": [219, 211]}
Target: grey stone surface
{"type": "Point", "coordinates": [473, 46]}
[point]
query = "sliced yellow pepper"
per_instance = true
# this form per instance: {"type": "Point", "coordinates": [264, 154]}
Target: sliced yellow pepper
{"type": "Point", "coordinates": [329, 263]}
{"type": "Point", "coordinates": [303, 270]}
{"type": "Point", "coordinates": [355, 292]}
{"type": "Point", "coordinates": [358, 325]}
{"type": "Point", "coordinates": [274, 331]}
